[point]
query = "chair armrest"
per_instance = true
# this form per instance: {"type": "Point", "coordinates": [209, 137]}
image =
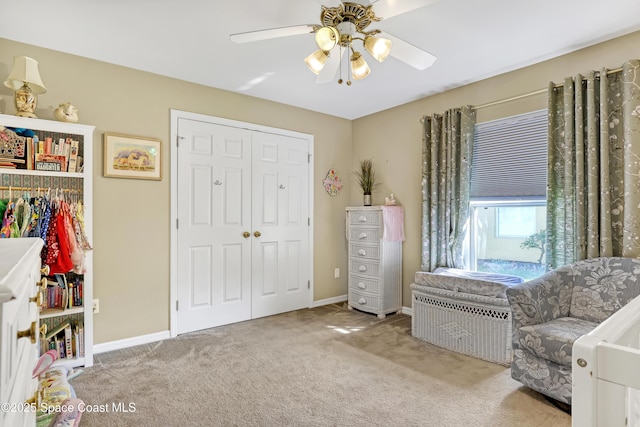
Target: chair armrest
{"type": "Point", "coordinates": [540, 300]}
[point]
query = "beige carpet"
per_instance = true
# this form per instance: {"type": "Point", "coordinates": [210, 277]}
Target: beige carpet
{"type": "Point", "coordinates": [326, 366]}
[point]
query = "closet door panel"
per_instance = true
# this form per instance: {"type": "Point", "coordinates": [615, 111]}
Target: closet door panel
{"type": "Point", "coordinates": [233, 202]}
{"type": "Point", "coordinates": [214, 192]}
{"type": "Point", "coordinates": [231, 274]}
{"type": "Point", "coordinates": [201, 209]}
{"type": "Point", "coordinates": [200, 276]}
{"type": "Point", "coordinates": [293, 279]}
{"type": "Point", "coordinates": [284, 183]}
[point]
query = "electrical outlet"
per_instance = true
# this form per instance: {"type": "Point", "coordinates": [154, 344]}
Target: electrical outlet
{"type": "Point", "coordinates": [336, 273]}
{"type": "Point", "coordinates": [96, 306]}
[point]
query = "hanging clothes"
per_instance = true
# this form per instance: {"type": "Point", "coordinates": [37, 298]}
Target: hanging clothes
{"type": "Point", "coordinates": [78, 225]}
{"type": "Point", "coordinates": [33, 229]}
{"type": "Point", "coordinates": [58, 256]}
{"type": "Point", "coordinates": [23, 215]}
{"type": "Point", "coordinates": [9, 226]}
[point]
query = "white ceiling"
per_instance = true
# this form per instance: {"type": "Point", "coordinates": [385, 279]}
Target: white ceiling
{"type": "Point", "coordinates": [189, 40]}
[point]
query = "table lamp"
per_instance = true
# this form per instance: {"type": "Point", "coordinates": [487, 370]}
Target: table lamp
{"type": "Point", "coordinates": [25, 80]}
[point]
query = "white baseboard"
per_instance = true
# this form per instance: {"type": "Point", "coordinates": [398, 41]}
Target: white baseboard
{"type": "Point", "coordinates": [159, 336]}
{"type": "Point", "coordinates": [334, 300]}
{"type": "Point", "coordinates": [130, 342]}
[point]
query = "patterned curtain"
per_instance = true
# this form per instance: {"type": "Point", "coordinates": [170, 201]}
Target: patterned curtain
{"type": "Point", "coordinates": [593, 199]}
{"type": "Point", "coordinates": [446, 174]}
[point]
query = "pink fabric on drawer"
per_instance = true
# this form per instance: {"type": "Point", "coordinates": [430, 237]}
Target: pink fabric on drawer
{"type": "Point", "coordinates": [393, 219]}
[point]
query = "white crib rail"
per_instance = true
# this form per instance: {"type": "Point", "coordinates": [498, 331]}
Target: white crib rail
{"type": "Point", "coordinates": [606, 372]}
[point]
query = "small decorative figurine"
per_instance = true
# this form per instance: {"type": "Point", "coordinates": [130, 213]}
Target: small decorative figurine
{"type": "Point", "coordinates": [66, 113]}
{"type": "Point", "coordinates": [390, 201]}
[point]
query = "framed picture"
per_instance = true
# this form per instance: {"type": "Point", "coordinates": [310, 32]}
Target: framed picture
{"type": "Point", "coordinates": [127, 156]}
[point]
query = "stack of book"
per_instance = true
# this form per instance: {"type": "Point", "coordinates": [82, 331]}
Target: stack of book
{"type": "Point", "coordinates": [47, 154]}
{"type": "Point", "coordinates": [66, 338]}
{"type": "Point", "coordinates": [62, 293]}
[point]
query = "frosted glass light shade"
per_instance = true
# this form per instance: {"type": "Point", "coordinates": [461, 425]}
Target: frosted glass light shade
{"type": "Point", "coordinates": [327, 38]}
{"type": "Point", "coordinates": [316, 61]}
{"type": "Point", "coordinates": [25, 70]}
{"type": "Point", "coordinates": [378, 47]}
{"type": "Point", "coordinates": [359, 67]}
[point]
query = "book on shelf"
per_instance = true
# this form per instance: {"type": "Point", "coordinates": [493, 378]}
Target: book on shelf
{"type": "Point", "coordinates": [50, 163]}
{"type": "Point", "coordinates": [73, 156]}
{"type": "Point", "coordinates": [67, 342]}
{"type": "Point", "coordinates": [60, 327]}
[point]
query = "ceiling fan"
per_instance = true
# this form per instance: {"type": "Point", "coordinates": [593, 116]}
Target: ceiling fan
{"type": "Point", "coordinates": [341, 24]}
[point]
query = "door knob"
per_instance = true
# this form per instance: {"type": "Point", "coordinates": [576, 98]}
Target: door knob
{"type": "Point", "coordinates": [257, 234]}
{"type": "Point", "coordinates": [246, 234]}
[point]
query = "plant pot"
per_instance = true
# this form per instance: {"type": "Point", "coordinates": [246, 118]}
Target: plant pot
{"type": "Point", "coordinates": [367, 199]}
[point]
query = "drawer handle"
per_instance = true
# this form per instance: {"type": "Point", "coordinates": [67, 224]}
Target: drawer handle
{"type": "Point", "coordinates": [362, 236]}
{"type": "Point", "coordinates": [37, 299]}
{"type": "Point", "coordinates": [42, 284]}
{"type": "Point", "coordinates": [362, 301]}
{"type": "Point", "coordinates": [362, 252]}
{"type": "Point", "coordinates": [32, 332]}
{"type": "Point", "coordinates": [362, 268]}
{"type": "Point", "coordinates": [361, 285]}
{"type": "Point", "coordinates": [362, 219]}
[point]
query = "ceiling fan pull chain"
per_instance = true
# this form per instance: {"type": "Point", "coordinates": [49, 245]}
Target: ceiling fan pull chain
{"type": "Point", "coordinates": [340, 79]}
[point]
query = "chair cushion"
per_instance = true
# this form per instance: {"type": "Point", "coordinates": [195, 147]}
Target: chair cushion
{"type": "Point", "coordinates": [472, 282]}
{"type": "Point", "coordinates": [554, 340]}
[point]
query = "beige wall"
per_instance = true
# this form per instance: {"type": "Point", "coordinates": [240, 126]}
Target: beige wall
{"type": "Point", "coordinates": [131, 221]}
{"type": "Point", "coordinates": [393, 137]}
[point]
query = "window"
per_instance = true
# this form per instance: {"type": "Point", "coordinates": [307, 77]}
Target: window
{"type": "Point", "coordinates": [516, 221]}
{"type": "Point", "coordinates": [507, 226]}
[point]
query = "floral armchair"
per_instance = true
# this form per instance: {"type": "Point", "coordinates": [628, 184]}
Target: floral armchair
{"type": "Point", "coordinates": [551, 312]}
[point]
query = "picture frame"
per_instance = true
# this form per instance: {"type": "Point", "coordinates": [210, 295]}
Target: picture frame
{"type": "Point", "coordinates": [134, 157]}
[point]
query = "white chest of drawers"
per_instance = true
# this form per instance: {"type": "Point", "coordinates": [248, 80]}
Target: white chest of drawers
{"type": "Point", "coordinates": [375, 264]}
{"type": "Point", "coordinates": [19, 273]}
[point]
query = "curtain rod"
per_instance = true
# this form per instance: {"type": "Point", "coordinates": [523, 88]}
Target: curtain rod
{"type": "Point", "coordinates": [525, 95]}
{"type": "Point", "coordinates": [513, 98]}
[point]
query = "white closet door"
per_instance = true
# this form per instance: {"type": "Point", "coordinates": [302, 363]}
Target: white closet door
{"type": "Point", "coordinates": [214, 210]}
{"type": "Point", "coordinates": [280, 279]}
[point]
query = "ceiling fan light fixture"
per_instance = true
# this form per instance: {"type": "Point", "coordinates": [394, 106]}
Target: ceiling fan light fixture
{"type": "Point", "coordinates": [378, 47]}
{"type": "Point", "coordinates": [327, 38]}
{"type": "Point", "coordinates": [316, 61]}
{"type": "Point", "coordinates": [359, 67]}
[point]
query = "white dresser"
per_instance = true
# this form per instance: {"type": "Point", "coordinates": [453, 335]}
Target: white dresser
{"type": "Point", "coordinates": [19, 274]}
{"type": "Point", "coordinates": [375, 263]}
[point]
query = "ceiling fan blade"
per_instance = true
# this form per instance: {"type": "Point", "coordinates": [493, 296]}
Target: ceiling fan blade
{"type": "Point", "coordinates": [408, 53]}
{"type": "Point", "coordinates": [386, 9]}
{"type": "Point", "coordinates": [331, 3]}
{"type": "Point", "coordinates": [328, 73]}
{"type": "Point", "coordinates": [271, 33]}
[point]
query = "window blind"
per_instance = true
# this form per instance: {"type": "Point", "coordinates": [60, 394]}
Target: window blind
{"type": "Point", "coordinates": [510, 157]}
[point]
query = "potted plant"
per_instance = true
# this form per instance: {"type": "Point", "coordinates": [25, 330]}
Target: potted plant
{"type": "Point", "coordinates": [366, 179]}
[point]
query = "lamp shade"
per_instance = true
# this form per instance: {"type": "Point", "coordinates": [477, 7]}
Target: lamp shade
{"type": "Point", "coordinates": [25, 70]}
{"type": "Point", "coordinates": [327, 38]}
{"type": "Point", "coordinates": [378, 47]}
{"type": "Point", "coordinates": [316, 61]}
{"type": "Point", "coordinates": [359, 67]}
